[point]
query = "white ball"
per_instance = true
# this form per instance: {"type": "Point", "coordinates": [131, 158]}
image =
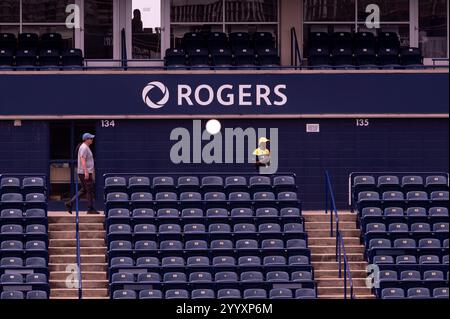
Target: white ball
{"type": "Point", "coordinates": [213, 127]}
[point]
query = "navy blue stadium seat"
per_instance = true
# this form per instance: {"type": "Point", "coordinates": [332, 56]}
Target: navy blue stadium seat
{"type": "Point", "coordinates": [51, 41]}
{"type": "Point", "coordinates": [245, 58]}
{"type": "Point", "coordinates": [8, 41]}
{"type": "Point", "coordinates": [217, 40]}
{"type": "Point", "coordinates": [221, 58]}
{"type": "Point", "coordinates": [6, 59]}
{"type": "Point", "coordinates": [319, 57]}
{"type": "Point", "coordinates": [28, 41]}
{"type": "Point", "coordinates": [239, 40]}
{"type": "Point", "coordinates": [150, 294]}
{"type": "Point", "coordinates": [72, 59]}
{"type": "Point", "coordinates": [175, 59]}
{"type": "Point", "coordinates": [342, 57]}
{"type": "Point", "coordinates": [388, 58]}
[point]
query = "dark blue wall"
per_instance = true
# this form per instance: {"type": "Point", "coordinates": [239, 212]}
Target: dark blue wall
{"type": "Point", "coordinates": [24, 149]}
{"type": "Point", "coordinates": [341, 147]}
{"type": "Point", "coordinates": [100, 95]}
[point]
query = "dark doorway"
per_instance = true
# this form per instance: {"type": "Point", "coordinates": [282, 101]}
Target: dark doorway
{"type": "Point", "coordinates": [65, 137]}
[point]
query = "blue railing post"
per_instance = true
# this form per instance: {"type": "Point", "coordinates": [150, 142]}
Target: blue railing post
{"type": "Point", "coordinates": [77, 234]}
{"type": "Point", "coordinates": [341, 253]}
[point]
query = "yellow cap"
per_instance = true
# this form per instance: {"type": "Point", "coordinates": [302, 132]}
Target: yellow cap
{"type": "Point", "coordinates": [263, 140]}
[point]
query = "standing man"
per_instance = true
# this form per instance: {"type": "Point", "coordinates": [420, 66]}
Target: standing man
{"type": "Point", "coordinates": [85, 174]}
{"type": "Point", "coordinates": [262, 153]}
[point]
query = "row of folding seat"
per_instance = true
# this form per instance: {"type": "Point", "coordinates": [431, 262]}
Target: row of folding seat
{"type": "Point", "coordinates": [415, 293]}
{"type": "Point", "coordinates": [369, 212]}
{"type": "Point", "coordinates": [413, 275]}
{"type": "Point", "coordinates": [408, 243]}
{"type": "Point", "coordinates": [277, 293]}
{"type": "Point", "coordinates": [399, 196]}
{"type": "Point", "coordinates": [214, 264]}
{"type": "Point", "coordinates": [197, 213]}
{"type": "Point", "coordinates": [215, 245]}
{"type": "Point", "coordinates": [27, 185]}
{"type": "Point", "coordinates": [235, 40]}
{"type": "Point", "coordinates": [188, 229]}
{"type": "Point", "coordinates": [31, 41]}
{"type": "Point", "coordinates": [33, 295]}
{"type": "Point", "coordinates": [222, 58]}
{"type": "Point", "coordinates": [354, 41]}
{"type": "Point", "coordinates": [49, 59]}
{"type": "Point", "coordinates": [404, 228]}
{"type": "Point", "coordinates": [394, 183]}
{"type": "Point", "coordinates": [18, 279]}
{"type": "Point", "coordinates": [410, 260]}
{"type": "Point", "coordinates": [194, 196]}
{"type": "Point", "coordinates": [207, 277]}
{"type": "Point", "coordinates": [32, 216]}
{"type": "Point", "coordinates": [16, 248]}
{"type": "Point", "coordinates": [410, 216]}
{"type": "Point", "coordinates": [31, 232]}
{"type": "Point", "coordinates": [11, 201]}
{"type": "Point", "coordinates": [20, 263]}
{"type": "Point", "coordinates": [366, 58]}
{"type": "Point", "coordinates": [193, 183]}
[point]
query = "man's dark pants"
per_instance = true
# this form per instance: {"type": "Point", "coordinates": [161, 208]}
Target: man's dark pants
{"type": "Point", "coordinates": [88, 189]}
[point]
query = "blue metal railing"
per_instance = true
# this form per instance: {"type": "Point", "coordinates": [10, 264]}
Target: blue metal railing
{"type": "Point", "coordinates": [296, 54]}
{"type": "Point", "coordinates": [77, 232]}
{"type": "Point", "coordinates": [341, 253]}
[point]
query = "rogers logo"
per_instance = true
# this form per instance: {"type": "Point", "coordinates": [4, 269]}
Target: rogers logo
{"type": "Point", "coordinates": [164, 90]}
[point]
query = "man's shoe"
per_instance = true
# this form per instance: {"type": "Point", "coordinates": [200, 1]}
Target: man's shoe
{"type": "Point", "coordinates": [69, 207]}
{"type": "Point", "coordinates": [93, 212]}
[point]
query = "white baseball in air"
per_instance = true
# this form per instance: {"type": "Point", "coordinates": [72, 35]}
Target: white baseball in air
{"type": "Point", "coordinates": [213, 127]}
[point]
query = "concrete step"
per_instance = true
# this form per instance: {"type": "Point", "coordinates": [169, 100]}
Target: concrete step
{"type": "Point", "coordinates": [73, 293]}
{"type": "Point", "coordinates": [72, 227]}
{"type": "Point", "coordinates": [330, 241]}
{"type": "Point", "coordinates": [72, 234]}
{"type": "Point", "coordinates": [339, 297]}
{"type": "Point", "coordinates": [339, 282]}
{"type": "Point", "coordinates": [326, 225]}
{"type": "Point", "coordinates": [334, 265]}
{"type": "Point", "coordinates": [72, 259]}
{"type": "Point", "coordinates": [87, 284]}
{"type": "Point", "coordinates": [85, 275]}
{"type": "Point", "coordinates": [72, 251]}
{"type": "Point", "coordinates": [71, 219]}
{"type": "Point", "coordinates": [331, 257]}
{"type": "Point", "coordinates": [340, 291]}
{"type": "Point", "coordinates": [99, 267]}
{"type": "Point", "coordinates": [317, 233]}
{"type": "Point", "coordinates": [73, 243]}
{"type": "Point", "coordinates": [356, 274]}
{"type": "Point", "coordinates": [350, 249]}
{"type": "Point", "coordinates": [322, 217]}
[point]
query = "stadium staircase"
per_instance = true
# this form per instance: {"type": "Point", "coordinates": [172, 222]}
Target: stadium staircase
{"type": "Point", "coordinates": [323, 254]}
{"type": "Point", "coordinates": [62, 251]}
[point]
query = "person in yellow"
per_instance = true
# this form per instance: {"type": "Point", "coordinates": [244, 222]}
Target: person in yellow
{"type": "Point", "coordinates": [262, 153]}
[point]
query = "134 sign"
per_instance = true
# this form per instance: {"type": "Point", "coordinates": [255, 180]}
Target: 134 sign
{"type": "Point", "coordinates": [108, 123]}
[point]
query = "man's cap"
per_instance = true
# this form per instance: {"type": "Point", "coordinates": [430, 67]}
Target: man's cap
{"type": "Point", "coordinates": [263, 140]}
{"type": "Point", "coordinates": [88, 136]}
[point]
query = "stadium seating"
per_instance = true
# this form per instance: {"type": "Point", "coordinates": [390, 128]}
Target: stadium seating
{"type": "Point", "coordinates": [28, 51]}
{"type": "Point", "coordinates": [361, 50]}
{"type": "Point", "coordinates": [221, 51]}
{"type": "Point", "coordinates": [404, 224]}
{"type": "Point", "coordinates": [203, 237]}
{"type": "Point", "coordinates": [23, 238]}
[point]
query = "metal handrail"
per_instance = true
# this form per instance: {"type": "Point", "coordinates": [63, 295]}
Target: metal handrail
{"type": "Point", "coordinates": [341, 253]}
{"type": "Point", "coordinates": [296, 55]}
{"type": "Point", "coordinates": [77, 232]}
